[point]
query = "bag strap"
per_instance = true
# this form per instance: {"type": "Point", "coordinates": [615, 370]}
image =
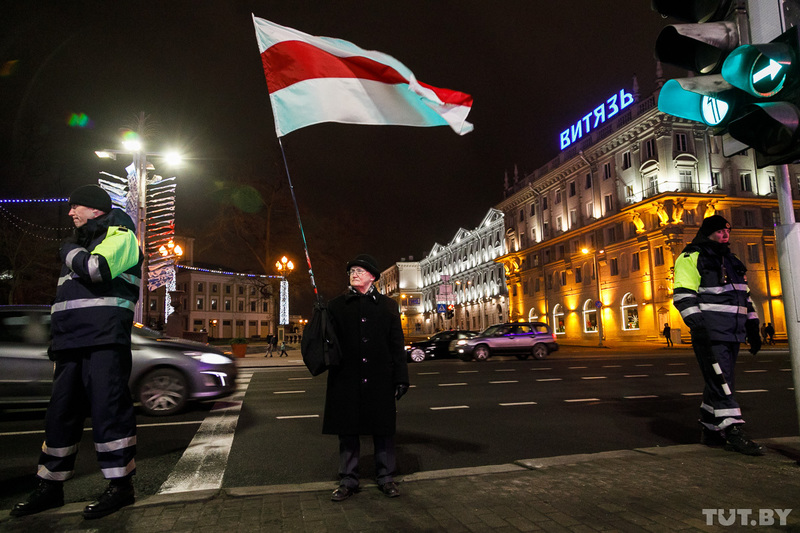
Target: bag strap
{"type": "Point", "coordinates": [324, 317]}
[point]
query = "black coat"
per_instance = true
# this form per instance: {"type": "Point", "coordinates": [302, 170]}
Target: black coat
{"type": "Point", "coordinates": [360, 396]}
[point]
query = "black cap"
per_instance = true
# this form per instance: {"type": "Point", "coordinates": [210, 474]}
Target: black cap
{"type": "Point", "coordinates": [714, 223]}
{"type": "Point", "coordinates": [368, 263]}
{"type": "Point", "coordinates": [91, 196]}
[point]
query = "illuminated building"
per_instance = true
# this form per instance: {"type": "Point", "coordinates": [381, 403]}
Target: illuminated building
{"type": "Point", "coordinates": [402, 283]}
{"type": "Point", "coordinates": [634, 192]}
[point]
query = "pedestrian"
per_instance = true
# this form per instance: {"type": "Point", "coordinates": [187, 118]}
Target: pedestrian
{"type": "Point", "coordinates": [667, 332]}
{"type": "Point", "coordinates": [283, 350]}
{"type": "Point", "coordinates": [274, 343]}
{"type": "Point", "coordinates": [269, 346]}
{"type": "Point", "coordinates": [770, 331]}
{"type": "Point", "coordinates": [764, 333]}
{"type": "Point", "coordinates": [372, 376]}
{"type": "Point", "coordinates": [710, 290]}
{"type": "Point", "coordinates": [91, 323]}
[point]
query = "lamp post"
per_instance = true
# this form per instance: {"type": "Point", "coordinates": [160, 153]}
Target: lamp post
{"type": "Point", "coordinates": [135, 149]}
{"type": "Point", "coordinates": [403, 310]}
{"type": "Point", "coordinates": [599, 302]}
{"type": "Point", "coordinates": [284, 267]}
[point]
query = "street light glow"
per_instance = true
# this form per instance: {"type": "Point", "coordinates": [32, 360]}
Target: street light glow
{"type": "Point", "coordinates": [134, 145]}
{"type": "Point", "coordinates": [173, 158]}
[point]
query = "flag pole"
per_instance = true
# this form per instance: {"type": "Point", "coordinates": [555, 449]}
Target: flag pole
{"type": "Point", "coordinates": [300, 223]}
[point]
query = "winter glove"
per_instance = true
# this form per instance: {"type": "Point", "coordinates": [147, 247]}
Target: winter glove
{"type": "Point", "coordinates": [753, 335]}
{"type": "Point", "coordinates": [700, 336]}
{"type": "Point", "coordinates": [401, 389]}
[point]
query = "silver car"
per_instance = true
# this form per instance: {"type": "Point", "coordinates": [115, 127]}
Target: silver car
{"type": "Point", "coordinates": [166, 373]}
{"type": "Point", "coordinates": [522, 339]}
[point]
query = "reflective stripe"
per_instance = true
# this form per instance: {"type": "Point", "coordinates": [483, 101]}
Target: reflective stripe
{"type": "Point", "coordinates": [741, 287]}
{"type": "Point", "coordinates": [59, 452]}
{"type": "Point", "coordinates": [727, 412]}
{"type": "Point", "coordinates": [94, 268]}
{"type": "Point", "coordinates": [132, 279]}
{"type": "Point", "coordinates": [722, 308]}
{"type": "Point", "coordinates": [83, 303]}
{"type": "Point", "coordinates": [63, 279]}
{"type": "Point", "coordinates": [730, 421]}
{"type": "Point", "coordinates": [71, 255]}
{"type": "Point", "coordinates": [717, 369]}
{"type": "Point", "coordinates": [705, 407]}
{"type": "Point", "coordinates": [690, 311]}
{"type": "Point", "coordinates": [44, 473]}
{"type": "Point", "coordinates": [677, 297]}
{"type": "Point", "coordinates": [114, 445]}
{"type": "Point", "coordinates": [120, 471]}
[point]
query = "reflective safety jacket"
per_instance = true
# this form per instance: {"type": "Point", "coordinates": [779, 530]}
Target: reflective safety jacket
{"type": "Point", "coordinates": [710, 290]}
{"type": "Point", "coordinates": [99, 284]}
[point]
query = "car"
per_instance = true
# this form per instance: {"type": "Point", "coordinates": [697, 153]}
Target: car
{"type": "Point", "coordinates": [523, 339]}
{"type": "Point", "coordinates": [436, 346]}
{"type": "Point", "coordinates": [166, 372]}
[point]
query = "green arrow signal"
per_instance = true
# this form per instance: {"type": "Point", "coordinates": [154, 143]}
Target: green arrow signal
{"type": "Point", "coordinates": [770, 70]}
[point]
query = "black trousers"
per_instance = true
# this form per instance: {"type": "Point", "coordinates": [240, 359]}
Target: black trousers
{"type": "Point", "coordinates": [350, 450]}
{"type": "Point", "coordinates": [94, 382]}
{"type": "Point", "coordinates": [719, 409]}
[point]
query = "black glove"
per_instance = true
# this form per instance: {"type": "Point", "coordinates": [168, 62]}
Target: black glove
{"type": "Point", "coordinates": [753, 335]}
{"type": "Point", "coordinates": [700, 336]}
{"type": "Point", "coordinates": [401, 389]}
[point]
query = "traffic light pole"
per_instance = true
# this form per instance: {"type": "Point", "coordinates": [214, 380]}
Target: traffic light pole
{"type": "Point", "coordinates": [787, 237]}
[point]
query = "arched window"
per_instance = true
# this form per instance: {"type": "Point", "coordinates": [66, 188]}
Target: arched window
{"type": "Point", "coordinates": [589, 316]}
{"type": "Point", "coordinates": [558, 319]}
{"type": "Point", "coordinates": [630, 312]}
{"type": "Point", "coordinates": [533, 316]}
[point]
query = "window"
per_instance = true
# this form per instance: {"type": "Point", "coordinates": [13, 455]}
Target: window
{"type": "Point", "coordinates": [613, 266]}
{"type": "Point", "coordinates": [573, 192]}
{"type": "Point", "coordinates": [253, 306]}
{"type": "Point", "coordinates": [745, 182]}
{"type": "Point", "coordinates": [227, 289]}
{"type": "Point", "coordinates": [200, 287]}
{"type": "Point", "coordinates": [680, 142]}
{"type": "Point", "coordinates": [589, 317]}
{"type": "Point", "coordinates": [749, 219]}
{"type": "Point", "coordinates": [558, 197]}
{"type": "Point", "coordinates": [611, 235]}
{"type": "Point", "coordinates": [629, 193]}
{"type": "Point", "coordinates": [578, 275]}
{"type": "Point", "coordinates": [241, 305]}
{"type": "Point", "coordinates": [590, 210]}
{"type": "Point", "coordinates": [608, 199]}
{"type": "Point", "coordinates": [240, 289]}
{"type": "Point", "coordinates": [537, 284]}
{"type": "Point", "coordinates": [626, 161]}
{"type": "Point", "coordinates": [533, 209]}
{"type": "Point", "coordinates": [265, 306]}
{"type": "Point", "coordinates": [716, 179]}
{"type": "Point", "coordinates": [214, 288]}
{"type": "Point", "coordinates": [563, 276]}
{"type": "Point", "coordinates": [213, 304]}
{"type": "Point", "coordinates": [772, 187]}
{"type": "Point", "coordinates": [752, 253]}
{"type": "Point", "coordinates": [588, 184]}
{"type": "Point", "coordinates": [573, 218]}
{"type": "Point", "coordinates": [199, 304]}
{"type": "Point", "coordinates": [650, 149]}
{"type": "Point", "coordinates": [630, 313]}
{"type": "Point", "coordinates": [153, 304]}
{"type": "Point", "coordinates": [559, 224]}
{"type": "Point", "coordinates": [607, 169]}
{"type": "Point", "coordinates": [635, 262]}
{"type": "Point", "coordinates": [686, 176]}
{"type": "Point", "coordinates": [558, 319]}
{"type": "Point", "coordinates": [544, 203]}
{"type": "Point", "coordinates": [522, 215]}
{"type": "Point", "coordinates": [658, 255]}
{"type": "Point", "coordinates": [227, 304]}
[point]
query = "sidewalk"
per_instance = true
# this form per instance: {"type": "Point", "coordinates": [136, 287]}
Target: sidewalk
{"type": "Point", "coordinates": [676, 488]}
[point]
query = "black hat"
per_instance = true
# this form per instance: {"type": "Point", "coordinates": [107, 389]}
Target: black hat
{"type": "Point", "coordinates": [91, 196]}
{"type": "Point", "coordinates": [368, 263]}
{"type": "Point", "coordinates": [714, 223]}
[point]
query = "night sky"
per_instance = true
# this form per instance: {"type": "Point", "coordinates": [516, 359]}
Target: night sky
{"type": "Point", "coordinates": [532, 67]}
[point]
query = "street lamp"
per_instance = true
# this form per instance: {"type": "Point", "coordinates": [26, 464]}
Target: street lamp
{"type": "Point", "coordinates": [403, 310]}
{"type": "Point", "coordinates": [599, 302]}
{"type": "Point", "coordinates": [284, 268]}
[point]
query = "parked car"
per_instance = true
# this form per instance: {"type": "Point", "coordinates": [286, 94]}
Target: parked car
{"type": "Point", "coordinates": [166, 372]}
{"type": "Point", "coordinates": [436, 346]}
{"type": "Point", "coordinates": [522, 339]}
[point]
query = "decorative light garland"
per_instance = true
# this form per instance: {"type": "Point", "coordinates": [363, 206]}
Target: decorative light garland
{"type": "Point", "coordinates": [33, 200]}
{"type": "Point", "coordinates": [242, 274]}
{"type": "Point", "coordinates": [8, 216]}
{"type": "Point", "coordinates": [39, 226]}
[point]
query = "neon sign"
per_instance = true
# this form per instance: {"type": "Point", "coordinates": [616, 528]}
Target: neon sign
{"type": "Point", "coordinates": [596, 117]}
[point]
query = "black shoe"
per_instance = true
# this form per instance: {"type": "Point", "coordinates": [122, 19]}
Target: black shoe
{"type": "Point", "coordinates": [112, 500]}
{"type": "Point", "coordinates": [737, 441]}
{"type": "Point", "coordinates": [390, 489]}
{"type": "Point", "coordinates": [342, 493]}
{"type": "Point", "coordinates": [709, 437]}
{"type": "Point", "coordinates": [47, 495]}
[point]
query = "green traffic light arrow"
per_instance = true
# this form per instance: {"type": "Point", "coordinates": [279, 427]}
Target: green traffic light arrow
{"type": "Point", "coordinates": [770, 70]}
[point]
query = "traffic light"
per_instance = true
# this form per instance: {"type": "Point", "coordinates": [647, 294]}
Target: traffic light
{"type": "Point", "coordinates": [769, 121]}
{"type": "Point", "coordinates": [701, 46]}
{"type": "Point", "coordinates": [451, 311]}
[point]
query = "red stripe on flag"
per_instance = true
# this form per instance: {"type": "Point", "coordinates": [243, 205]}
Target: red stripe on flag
{"type": "Point", "coordinates": [449, 97]}
{"type": "Point", "coordinates": [289, 62]}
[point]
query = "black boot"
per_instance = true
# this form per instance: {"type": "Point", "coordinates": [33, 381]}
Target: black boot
{"type": "Point", "coordinates": [47, 495]}
{"type": "Point", "coordinates": [738, 441]}
{"type": "Point", "coordinates": [115, 497]}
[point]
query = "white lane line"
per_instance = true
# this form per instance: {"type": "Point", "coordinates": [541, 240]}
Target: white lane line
{"type": "Point", "coordinates": [507, 381]}
{"type": "Point", "coordinates": [636, 376]}
{"type": "Point", "coordinates": [289, 392]}
{"type": "Point", "coordinates": [640, 397]}
{"type": "Point", "coordinates": [576, 400]}
{"type": "Point", "coordinates": [160, 424]}
{"type": "Point", "coordinates": [611, 366]}
{"type": "Point", "coordinates": [299, 379]}
{"type": "Point", "coordinates": [754, 371]}
{"type": "Point", "coordinates": [785, 370]}
{"type": "Point", "coordinates": [202, 465]}
{"type": "Point", "coordinates": [428, 373]}
{"type": "Point", "coordinates": [645, 364]}
{"type": "Point", "coordinates": [678, 374]}
{"type": "Point", "coordinates": [676, 364]}
{"type": "Point", "coordinates": [594, 377]}
{"type": "Point", "coordinates": [752, 390]}
{"type": "Point", "coordinates": [548, 368]}
{"type": "Point", "coordinates": [451, 384]}
{"type": "Point", "coordinates": [467, 372]}
{"type": "Point", "coordinates": [506, 370]}
{"type": "Point", "coordinates": [692, 393]}
{"type": "Point", "coordinates": [288, 417]}
{"type": "Point", "coordinates": [549, 379]}
{"type": "Point", "coordinates": [576, 367]}
{"type": "Point", "coordinates": [511, 404]}
{"type": "Point", "coordinates": [446, 407]}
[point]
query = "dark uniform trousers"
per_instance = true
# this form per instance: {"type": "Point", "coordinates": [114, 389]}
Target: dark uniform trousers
{"type": "Point", "coordinates": [90, 381]}
{"type": "Point", "coordinates": [349, 452]}
{"type": "Point", "coordinates": [719, 410]}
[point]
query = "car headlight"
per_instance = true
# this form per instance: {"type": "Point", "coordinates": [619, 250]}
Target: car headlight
{"type": "Point", "coordinates": [408, 347]}
{"type": "Point", "coordinates": [210, 358]}
{"type": "Point", "coordinates": [461, 342]}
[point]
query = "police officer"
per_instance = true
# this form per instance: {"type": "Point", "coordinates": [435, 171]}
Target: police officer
{"type": "Point", "coordinates": [712, 296]}
{"type": "Point", "coordinates": [91, 321]}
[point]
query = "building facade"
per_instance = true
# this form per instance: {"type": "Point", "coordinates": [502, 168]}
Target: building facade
{"type": "Point", "coordinates": [592, 236]}
{"type": "Point", "coordinates": [402, 282]}
{"type": "Point", "coordinates": [464, 274]}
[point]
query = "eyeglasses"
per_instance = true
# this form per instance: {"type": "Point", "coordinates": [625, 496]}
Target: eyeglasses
{"type": "Point", "coordinates": [357, 271]}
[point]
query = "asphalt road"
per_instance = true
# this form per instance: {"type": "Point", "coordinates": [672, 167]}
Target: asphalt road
{"type": "Point", "coordinates": [457, 414]}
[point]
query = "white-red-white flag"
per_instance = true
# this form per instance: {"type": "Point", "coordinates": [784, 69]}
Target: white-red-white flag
{"type": "Point", "coordinates": [321, 79]}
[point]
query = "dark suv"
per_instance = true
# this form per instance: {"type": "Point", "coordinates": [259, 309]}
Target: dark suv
{"type": "Point", "coordinates": [437, 346]}
{"type": "Point", "coordinates": [522, 339]}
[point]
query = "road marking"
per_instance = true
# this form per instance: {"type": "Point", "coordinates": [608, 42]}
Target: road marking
{"type": "Point", "coordinates": [691, 394]}
{"type": "Point", "coordinates": [451, 384]}
{"type": "Point", "coordinates": [645, 364]}
{"type": "Point", "coordinates": [752, 390]}
{"type": "Point", "coordinates": [506, 370]}
{"type": "Point", "coordinates": [449, 407]}
{"type": "Point", "coordinates": [636, 376]}
{"type": "Point", "coordinates": [508, 381]}
{"type": "Point", "coordinates": [289, 392]}
{"type": "Point", "coordinates": [550, 379]}
{"type": "Point", "coordinates": [575, 400]}
{"type": "Point", "coordinates": [288, 417]}
{"type": "Point", "coordinates": [754, 371]}
{"type": "Point", "coordinates": [640, 397]}
{"type": "Point", "coordinates": [299, 379]}
{"type": "Point", "coordinates": [576, 367]}
{"type": "Point", "coordinates": [467, 372]}
{"type": "Point", "coordinates": [511, 404]}
{"type": "Point", "coordinates": [428, 373]}
{"type": "Point", "coordinates": [159, 424]}
{"type": "Point", "coordinates": [678, 374]}
{"type": "Point", "coordinates": [611, 366]}
{"type": "Point", "coordinates": [542, 368]}
{"type": "Point", "coordinates": [593, 377]}
{"type": "Point", "coordinates": [785, 370]}
{"type": "Point", "coordinates": [676, 364]}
